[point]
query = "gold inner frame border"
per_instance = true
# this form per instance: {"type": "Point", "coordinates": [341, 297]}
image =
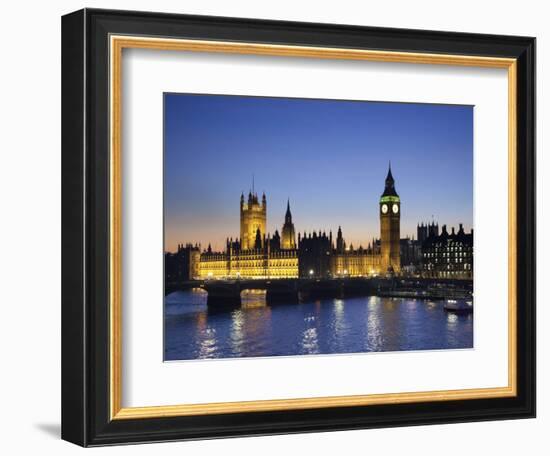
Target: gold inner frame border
{"type": "Point", "coordinates": [116, 46]}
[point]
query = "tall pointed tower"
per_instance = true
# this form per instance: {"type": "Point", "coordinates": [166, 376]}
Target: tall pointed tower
{"type": "Point", "coordinates": [288, 240]}
{"type": "Point", "coordinates": [340, 241]}
{"type": "Point", "coordinates": [390, 231]}
{"type": "Point", "coordinates": [253, 218]}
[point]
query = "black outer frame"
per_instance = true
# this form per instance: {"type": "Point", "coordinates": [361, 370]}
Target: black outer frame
{"type": "Point", "coordinates": [85, 227]}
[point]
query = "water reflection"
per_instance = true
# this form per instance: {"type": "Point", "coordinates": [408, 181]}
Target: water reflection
{"type": "Point", "coordinates": [237, 332]}
{"type": "Point", "coordinates": [253, 298]}
{"type": "Point", "coordinates": [350, 325]}
{"type": "Point", "coordinates": [452, 319]}
{"type": "Point", "coordinates": [207, 342]}
{"type": "Point", "coordinates": [255, 331]}
{"type": "Point", "coordinates": [310, 344]}
{"type": "Point", "coordinates": [455, 322]}
{"type": "Point", "coordinates": [374, 337]}
{"type": "Point", "coordinates": [339, 321]}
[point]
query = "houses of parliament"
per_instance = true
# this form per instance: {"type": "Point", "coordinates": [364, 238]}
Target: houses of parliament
{"type": "Point", "coordinates": [258, 254]}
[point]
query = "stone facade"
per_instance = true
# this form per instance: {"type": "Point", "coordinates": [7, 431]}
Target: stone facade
{"type": "Point", "coordinates": [449, 255]}
{"type": "Point", "coordinates": [259, 255]}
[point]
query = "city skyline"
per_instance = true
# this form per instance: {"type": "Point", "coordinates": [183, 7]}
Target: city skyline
{"type": "Point", "coordinates": [329, 158]}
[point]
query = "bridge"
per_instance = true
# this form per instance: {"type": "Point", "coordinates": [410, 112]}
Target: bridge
{"type": "Point", "coordinates": [227, 293]}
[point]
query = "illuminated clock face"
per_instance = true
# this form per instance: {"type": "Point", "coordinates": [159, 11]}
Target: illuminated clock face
{"type": "Point", "coordinates": [395, 208]}
{"type": "Point", "coordinates": [384, 208]}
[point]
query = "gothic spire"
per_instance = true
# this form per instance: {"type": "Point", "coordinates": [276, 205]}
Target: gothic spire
{"type": "Point", "coordinates": [389, 177]}
{"type": "Point", "coordinates": [288, 215]}
{"type": "Point", "coordinates": [389, 189]}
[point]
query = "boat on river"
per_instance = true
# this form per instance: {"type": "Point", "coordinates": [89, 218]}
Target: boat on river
{"type": "Point", "coordinates": [460, 306]}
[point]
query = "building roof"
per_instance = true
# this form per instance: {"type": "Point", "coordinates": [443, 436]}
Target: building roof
{"type": "Point", "coordinates": [389, 189]}
{"type": "Point", "coordinates": [445, 236]}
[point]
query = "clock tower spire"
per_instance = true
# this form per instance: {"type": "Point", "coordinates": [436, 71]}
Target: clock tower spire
{"type": "Point", "coordinates": [390, 231]}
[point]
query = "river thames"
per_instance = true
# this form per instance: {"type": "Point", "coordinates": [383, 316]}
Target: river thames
{"type": "Point", "coordinates": [325, 326]}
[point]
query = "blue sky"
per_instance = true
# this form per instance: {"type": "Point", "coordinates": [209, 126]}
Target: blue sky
{"type": "Point", "coordinates": [330, 157]}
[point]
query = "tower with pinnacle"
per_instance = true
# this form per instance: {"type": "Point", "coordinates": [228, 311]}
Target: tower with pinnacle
{"type": "Point", "coordinates": [253, 220]}
{"type": "Point", "coordinates": [390, 231]}
{"type": "Point", "coordinates": [288, 239]}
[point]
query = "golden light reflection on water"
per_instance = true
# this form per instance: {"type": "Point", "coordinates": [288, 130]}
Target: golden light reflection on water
{"type": "Point", "coordinates": [317, 307]}
{"type": "Point", "coordinates": [253, 298]}
{"type": "Point", "coordinates": [389, 304]}
{"type": "Point", "coordinates": [339, 321]}
{"type": "Point", "coordinates": [390, 322]}
{"type": "Point", "coordinates": [250, 324]}
{"type": "Point", "coordinates": [202, 320]}
{"type": "Point", "coordinates": [198, 291]}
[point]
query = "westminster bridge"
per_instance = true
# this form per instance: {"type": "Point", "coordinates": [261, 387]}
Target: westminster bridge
{"type": "Point", "coordinates": [227, 293]}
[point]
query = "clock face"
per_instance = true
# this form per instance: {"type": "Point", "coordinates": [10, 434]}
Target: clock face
{"type": "Point", "coordinates": [384, 208]}
{"type": "Point", "coordinates": [395, 208]}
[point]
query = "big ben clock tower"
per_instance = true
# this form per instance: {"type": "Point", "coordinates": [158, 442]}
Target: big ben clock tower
{"type": "Point", "coordinates": [390, 220]}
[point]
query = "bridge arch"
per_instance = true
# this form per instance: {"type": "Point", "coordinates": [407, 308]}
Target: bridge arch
{"type": "Point", "coordinates": [253, 297]}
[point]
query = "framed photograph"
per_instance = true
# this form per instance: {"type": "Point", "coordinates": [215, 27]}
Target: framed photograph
{"type": "Point", "coordinates": [278, 227]}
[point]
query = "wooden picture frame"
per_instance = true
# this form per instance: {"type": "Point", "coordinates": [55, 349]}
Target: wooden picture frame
{"type": "Point", "coordinates": [92, 44]}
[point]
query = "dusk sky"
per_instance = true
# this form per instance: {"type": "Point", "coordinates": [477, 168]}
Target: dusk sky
{"type": "Point", "coordinates": [329, 157]}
